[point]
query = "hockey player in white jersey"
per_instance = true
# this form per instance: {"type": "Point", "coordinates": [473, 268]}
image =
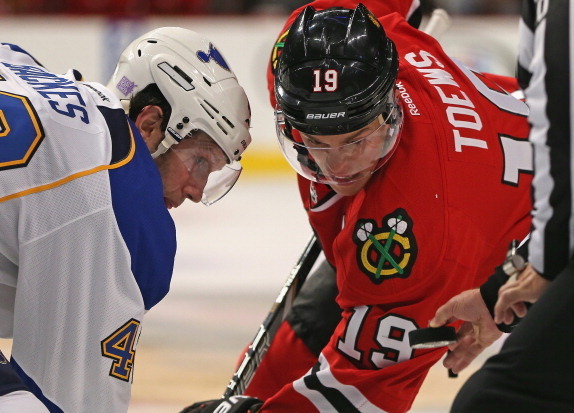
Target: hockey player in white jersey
{"type": "Point", "coordinates": [87, 243]}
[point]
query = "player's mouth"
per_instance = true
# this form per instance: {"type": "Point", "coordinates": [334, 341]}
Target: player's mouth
{"type": "Point", "coordinates": [346, 180]}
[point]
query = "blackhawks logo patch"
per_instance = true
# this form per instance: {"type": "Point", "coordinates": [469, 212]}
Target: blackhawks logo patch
{"type": "Point", "coordinates": [388, 251]}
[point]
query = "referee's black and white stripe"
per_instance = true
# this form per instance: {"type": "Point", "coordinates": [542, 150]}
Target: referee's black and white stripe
{"type": "Point", "coordinates": [545, 61]}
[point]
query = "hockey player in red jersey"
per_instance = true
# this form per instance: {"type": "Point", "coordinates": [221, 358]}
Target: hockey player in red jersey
{"type": "Point", "coordinates": [415, 172]}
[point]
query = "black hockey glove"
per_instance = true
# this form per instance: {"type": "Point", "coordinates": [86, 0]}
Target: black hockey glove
{"type": "Point", "coordinates": [233, 404]}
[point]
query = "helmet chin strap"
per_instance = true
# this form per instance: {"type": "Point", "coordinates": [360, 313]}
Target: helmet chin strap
{"type": "Point", "coordinates": [125, 105]}
{"type": "Point", "coordinates": [167, 142]}
{"type": "Point", "coordinates": [161, 149]}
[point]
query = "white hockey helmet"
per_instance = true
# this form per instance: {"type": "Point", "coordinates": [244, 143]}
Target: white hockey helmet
{"type": "Point", "coordinates": [197, 82]}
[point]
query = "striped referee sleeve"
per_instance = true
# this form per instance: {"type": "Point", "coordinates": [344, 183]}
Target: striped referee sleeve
{"type": "Point", "coordinates": [545, 58]}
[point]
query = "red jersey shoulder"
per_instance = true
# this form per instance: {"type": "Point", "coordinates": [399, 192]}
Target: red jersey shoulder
{"type": "Point", "coordinates": [468, 107]}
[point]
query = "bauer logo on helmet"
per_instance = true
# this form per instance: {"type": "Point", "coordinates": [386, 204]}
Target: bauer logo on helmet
{"type": "Point", "coordinates": [319, 116]}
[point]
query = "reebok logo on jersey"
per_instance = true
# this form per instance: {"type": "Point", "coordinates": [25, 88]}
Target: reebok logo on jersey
{"type": "Point", "coordinates": [407, 99]}
{"type": "Point", "coordinates": [99, 93]}
{"type": "Point", "coordinates": [386, 252]}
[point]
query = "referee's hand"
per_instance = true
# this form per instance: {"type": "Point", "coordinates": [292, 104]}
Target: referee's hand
{"type": "Point", "coordinates": [513, 296]}
{"type": "Point", "coordinates": [477, 332]}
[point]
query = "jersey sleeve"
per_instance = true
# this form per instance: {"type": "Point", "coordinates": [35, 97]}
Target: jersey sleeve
{"type": "Point", "coordinates": [368, 364]}
{"type": "Point", "coordinates": [349, 376]}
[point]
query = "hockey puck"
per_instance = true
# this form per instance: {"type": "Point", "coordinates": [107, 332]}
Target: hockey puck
{"type": "Point", "coordinates": [432, 337]}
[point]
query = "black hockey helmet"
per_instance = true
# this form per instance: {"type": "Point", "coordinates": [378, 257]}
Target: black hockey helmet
{"type": "Point", "coordinates": [336, 72]}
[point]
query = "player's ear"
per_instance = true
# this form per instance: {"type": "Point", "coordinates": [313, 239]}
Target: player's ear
{"type": "Point", "coordinates": [149, 122]}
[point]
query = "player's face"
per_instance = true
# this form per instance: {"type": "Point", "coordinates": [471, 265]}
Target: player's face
{"type": "Point", "coordinates": [348, 160]}
{"type": "Point", "coordinates": [185, 167]}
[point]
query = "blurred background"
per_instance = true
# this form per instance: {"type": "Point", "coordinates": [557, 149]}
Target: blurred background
{"type": "Point", "coordinates": [231, 7]}
{"type": "Point", "coordinates": [234, 256]}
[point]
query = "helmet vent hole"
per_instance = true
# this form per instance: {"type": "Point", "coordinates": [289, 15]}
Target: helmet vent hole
{"type": "Point", "coordinates": [206, 111]}
{"type": "Point", "coordinates": [211, 106]}
{"type": "Point", "coordinates": [222, 128]}
{"type": "Point", "coordinates": [139, 53]}
{"type": "Point", "coordinates": [228, 121]}
{"type": "Point", "coordinates": [152, 41]}
{"type": "Point", "coordinates": [206, 81]}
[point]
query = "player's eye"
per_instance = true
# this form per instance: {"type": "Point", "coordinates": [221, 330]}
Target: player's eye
{"type": "Point", "coordinates": [314, 142]}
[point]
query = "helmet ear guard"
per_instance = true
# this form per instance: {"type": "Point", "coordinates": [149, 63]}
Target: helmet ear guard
{"type": "Point", "coordinates": [196, 81]}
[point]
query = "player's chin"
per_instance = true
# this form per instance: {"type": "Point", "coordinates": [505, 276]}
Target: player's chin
{"type": "Point", "coordinates": [172, 203]}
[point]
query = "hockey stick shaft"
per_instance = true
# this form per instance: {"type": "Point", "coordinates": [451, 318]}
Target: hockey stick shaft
{"type": "Point", "coordinates": [252, 357]}
{"type": "Point", "coordinates": [438, 23]}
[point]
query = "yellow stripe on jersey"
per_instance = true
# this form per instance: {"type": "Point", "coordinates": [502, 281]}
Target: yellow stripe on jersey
{"type": "Point", "coordinates": [76, 175]}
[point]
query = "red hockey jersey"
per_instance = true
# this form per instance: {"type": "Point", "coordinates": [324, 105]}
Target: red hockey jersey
{"type": "Point", "coordinates": [434, 221]}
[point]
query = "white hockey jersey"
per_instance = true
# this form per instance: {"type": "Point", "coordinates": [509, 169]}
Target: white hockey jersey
{"type": "Point", "coordinates": [87, 243]}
